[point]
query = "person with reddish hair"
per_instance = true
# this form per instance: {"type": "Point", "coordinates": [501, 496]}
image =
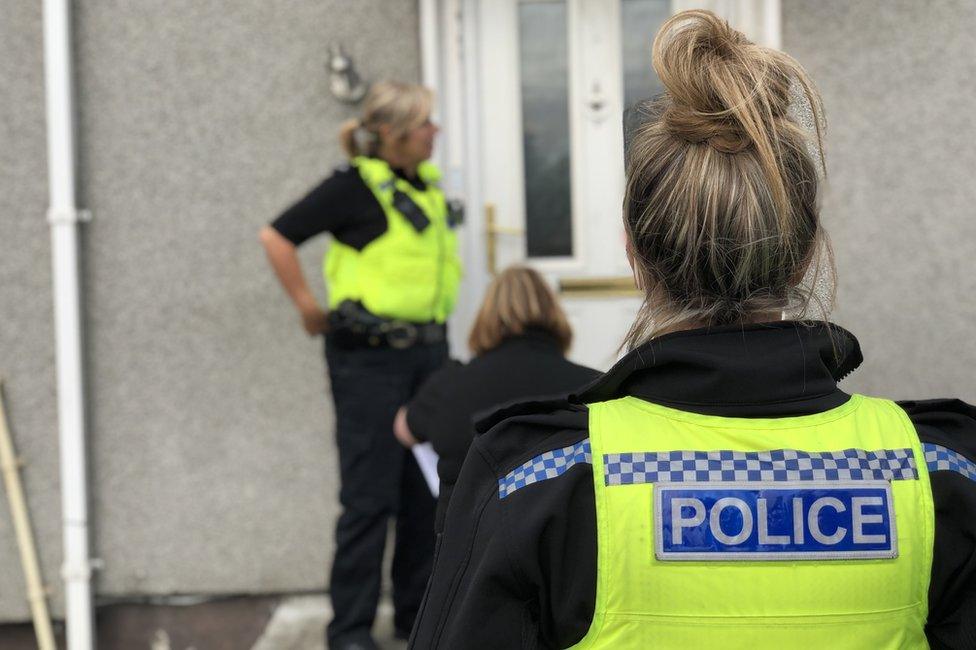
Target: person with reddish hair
{"type": "Point", "coordinates": [519, 341]}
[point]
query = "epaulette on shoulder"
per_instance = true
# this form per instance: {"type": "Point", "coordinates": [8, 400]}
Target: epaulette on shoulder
{"type": "Point", "coordinates": [484, 421]}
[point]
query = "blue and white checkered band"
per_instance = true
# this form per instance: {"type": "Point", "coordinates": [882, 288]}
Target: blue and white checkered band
{"type": "Point", "coordinates": [774, 465]}
{"type": "Point", "coordinates": [544, 466]}
{"type": "Point", "coordinates": [938, 458]}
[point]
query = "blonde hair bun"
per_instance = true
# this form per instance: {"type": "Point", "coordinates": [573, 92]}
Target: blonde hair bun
{"type": "Point", "coordinates": [721, 206]}
{"type": "Point", "coordinates": [724, 89]}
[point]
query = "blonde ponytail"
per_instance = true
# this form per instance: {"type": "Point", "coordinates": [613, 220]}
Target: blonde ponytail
{"type": "Point", "coordinates": [357, 140]}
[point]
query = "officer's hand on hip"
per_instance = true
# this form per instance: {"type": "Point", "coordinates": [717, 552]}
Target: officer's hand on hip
{"type": "Point", "coordinates": [315, 321]}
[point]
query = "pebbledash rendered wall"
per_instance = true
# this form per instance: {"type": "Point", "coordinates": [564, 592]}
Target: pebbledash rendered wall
{"type": "Point", "coordinates": [899, 81]}
{"type": "Point", "coordinates": [212, 460]}
{"type": "Point", "coordinates": [26, 313]}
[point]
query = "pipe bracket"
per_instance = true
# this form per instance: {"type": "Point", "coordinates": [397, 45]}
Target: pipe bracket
{"type": "Point", "coordinates": [79, 571]}
{"type": "Point", "coordinates": [57, 217]}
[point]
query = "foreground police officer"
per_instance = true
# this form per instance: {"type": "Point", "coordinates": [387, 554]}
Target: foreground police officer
{"type": "Point", "coordinates": [392, 273]}
{"type": "Point", "coordinates": [716, 489]}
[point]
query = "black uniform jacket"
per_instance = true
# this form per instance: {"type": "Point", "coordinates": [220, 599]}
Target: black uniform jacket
{"type": "Point", "coordinates": [521, 572]}
{"type": "Point", "coordinates": [443, 410]}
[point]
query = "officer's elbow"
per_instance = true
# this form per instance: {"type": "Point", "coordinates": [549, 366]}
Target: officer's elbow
{"type": "Point", "coordinates": [270, 238]}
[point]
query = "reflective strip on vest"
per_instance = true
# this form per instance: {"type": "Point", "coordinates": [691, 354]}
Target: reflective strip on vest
{"type": "Point", "coordinates": [402, 274]}
{"type": "Point", "coordinates": [803, 532]}
{"type": "Point", "coordinates": [939, 459]}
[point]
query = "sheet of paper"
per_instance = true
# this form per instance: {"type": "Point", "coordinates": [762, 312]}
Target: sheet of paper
{"type": "Point", "coordinates": [427, 459]}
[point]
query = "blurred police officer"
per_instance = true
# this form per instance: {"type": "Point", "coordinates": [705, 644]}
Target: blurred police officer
{"type": "Point", "coordinates": [392, 273]}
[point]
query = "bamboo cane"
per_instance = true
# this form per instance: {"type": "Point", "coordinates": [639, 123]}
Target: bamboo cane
{"type": "Point", "coordinates": [25, 538]}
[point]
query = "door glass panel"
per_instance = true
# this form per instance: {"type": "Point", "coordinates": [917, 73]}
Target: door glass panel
{"type": "Point", "coordinates": [543, 62]}
{"type": "Point", "coordinates": [641, 20]}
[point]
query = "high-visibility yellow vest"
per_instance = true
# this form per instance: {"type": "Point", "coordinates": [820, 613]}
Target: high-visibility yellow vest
{"type": "Point", "coordinates": [403, 274]}
{"type": "Point", "coordinates": [802, 532]}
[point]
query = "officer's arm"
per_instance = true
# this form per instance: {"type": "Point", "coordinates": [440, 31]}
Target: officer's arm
{"type": "Point", "coordinates": [402, 430]}
{"type": "Point", "coordinates": [520, 567]}
{"type": "Point", "coordinates": [284, 260]}
{"type": "Point", "coordinates": [947, 430]}
{"type": "Point", "coordinates": [470, 601]}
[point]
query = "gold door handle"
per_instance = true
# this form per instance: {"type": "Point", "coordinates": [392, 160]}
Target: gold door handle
{"type": "Point", "coordinates": [492, 230]}
{"type": "Point", "coordinates": [598, 287]}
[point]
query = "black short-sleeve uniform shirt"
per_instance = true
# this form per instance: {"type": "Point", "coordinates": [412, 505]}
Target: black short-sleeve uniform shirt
{"type": "Point", "coordinates": [343, 205]}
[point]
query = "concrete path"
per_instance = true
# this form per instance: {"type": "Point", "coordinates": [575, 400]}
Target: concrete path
{"type": "Point", "coordinates": [299, 624]}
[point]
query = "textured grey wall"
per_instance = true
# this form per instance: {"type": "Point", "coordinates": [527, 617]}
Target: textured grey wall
{"type": "Point", "coordinates": [26, 313]}
{"type": "Point", "coordinates": [898, 79]}
{"type": "Point", "coordinates": [213, 460]}
{"type": "Point", "coordinates": [213, 455]}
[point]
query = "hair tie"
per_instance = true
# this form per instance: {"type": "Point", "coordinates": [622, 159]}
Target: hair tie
{"type": "Point", "coordinates": [363, 137]}
{"type": "Point", "coordinates": [719, 130]}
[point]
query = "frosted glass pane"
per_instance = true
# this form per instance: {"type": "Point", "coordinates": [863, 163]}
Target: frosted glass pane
{"type": "Point", "coordinates": [543, 55]}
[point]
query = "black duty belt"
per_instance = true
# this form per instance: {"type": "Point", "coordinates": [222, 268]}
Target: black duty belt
{"type": "Point", "coordinates": [351, 326]}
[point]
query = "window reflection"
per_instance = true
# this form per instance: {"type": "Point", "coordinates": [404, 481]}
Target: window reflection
{"type": "Point", "coordinates": [640, 22]}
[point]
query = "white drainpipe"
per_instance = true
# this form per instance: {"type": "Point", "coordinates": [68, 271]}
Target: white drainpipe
{"type": "Point", "coordinates": [64, 216]}
{"type": "Point", "coordinates": [429, 34]}
{"type": "Point", "coordinates": [429, 63]}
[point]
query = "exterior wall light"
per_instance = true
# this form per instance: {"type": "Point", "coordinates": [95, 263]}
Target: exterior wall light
{"type": "Point", "coordinates": [344, 82]}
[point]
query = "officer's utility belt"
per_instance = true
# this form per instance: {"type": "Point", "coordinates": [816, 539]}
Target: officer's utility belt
{"type": "Point", "coordinates": [352, 326]}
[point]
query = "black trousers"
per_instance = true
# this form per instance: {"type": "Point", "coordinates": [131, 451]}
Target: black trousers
{"type": "Point", "coordinates": [379, 480]}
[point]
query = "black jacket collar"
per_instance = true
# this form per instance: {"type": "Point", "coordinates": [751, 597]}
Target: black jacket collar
{"type": "Point", "coordinates": [762, 370]}
{"type": "Point", "coordinates": [532, 337]}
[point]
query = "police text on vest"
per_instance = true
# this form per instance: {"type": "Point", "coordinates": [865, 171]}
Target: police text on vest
{"type": "Point", "coordinates": [799, 520]}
